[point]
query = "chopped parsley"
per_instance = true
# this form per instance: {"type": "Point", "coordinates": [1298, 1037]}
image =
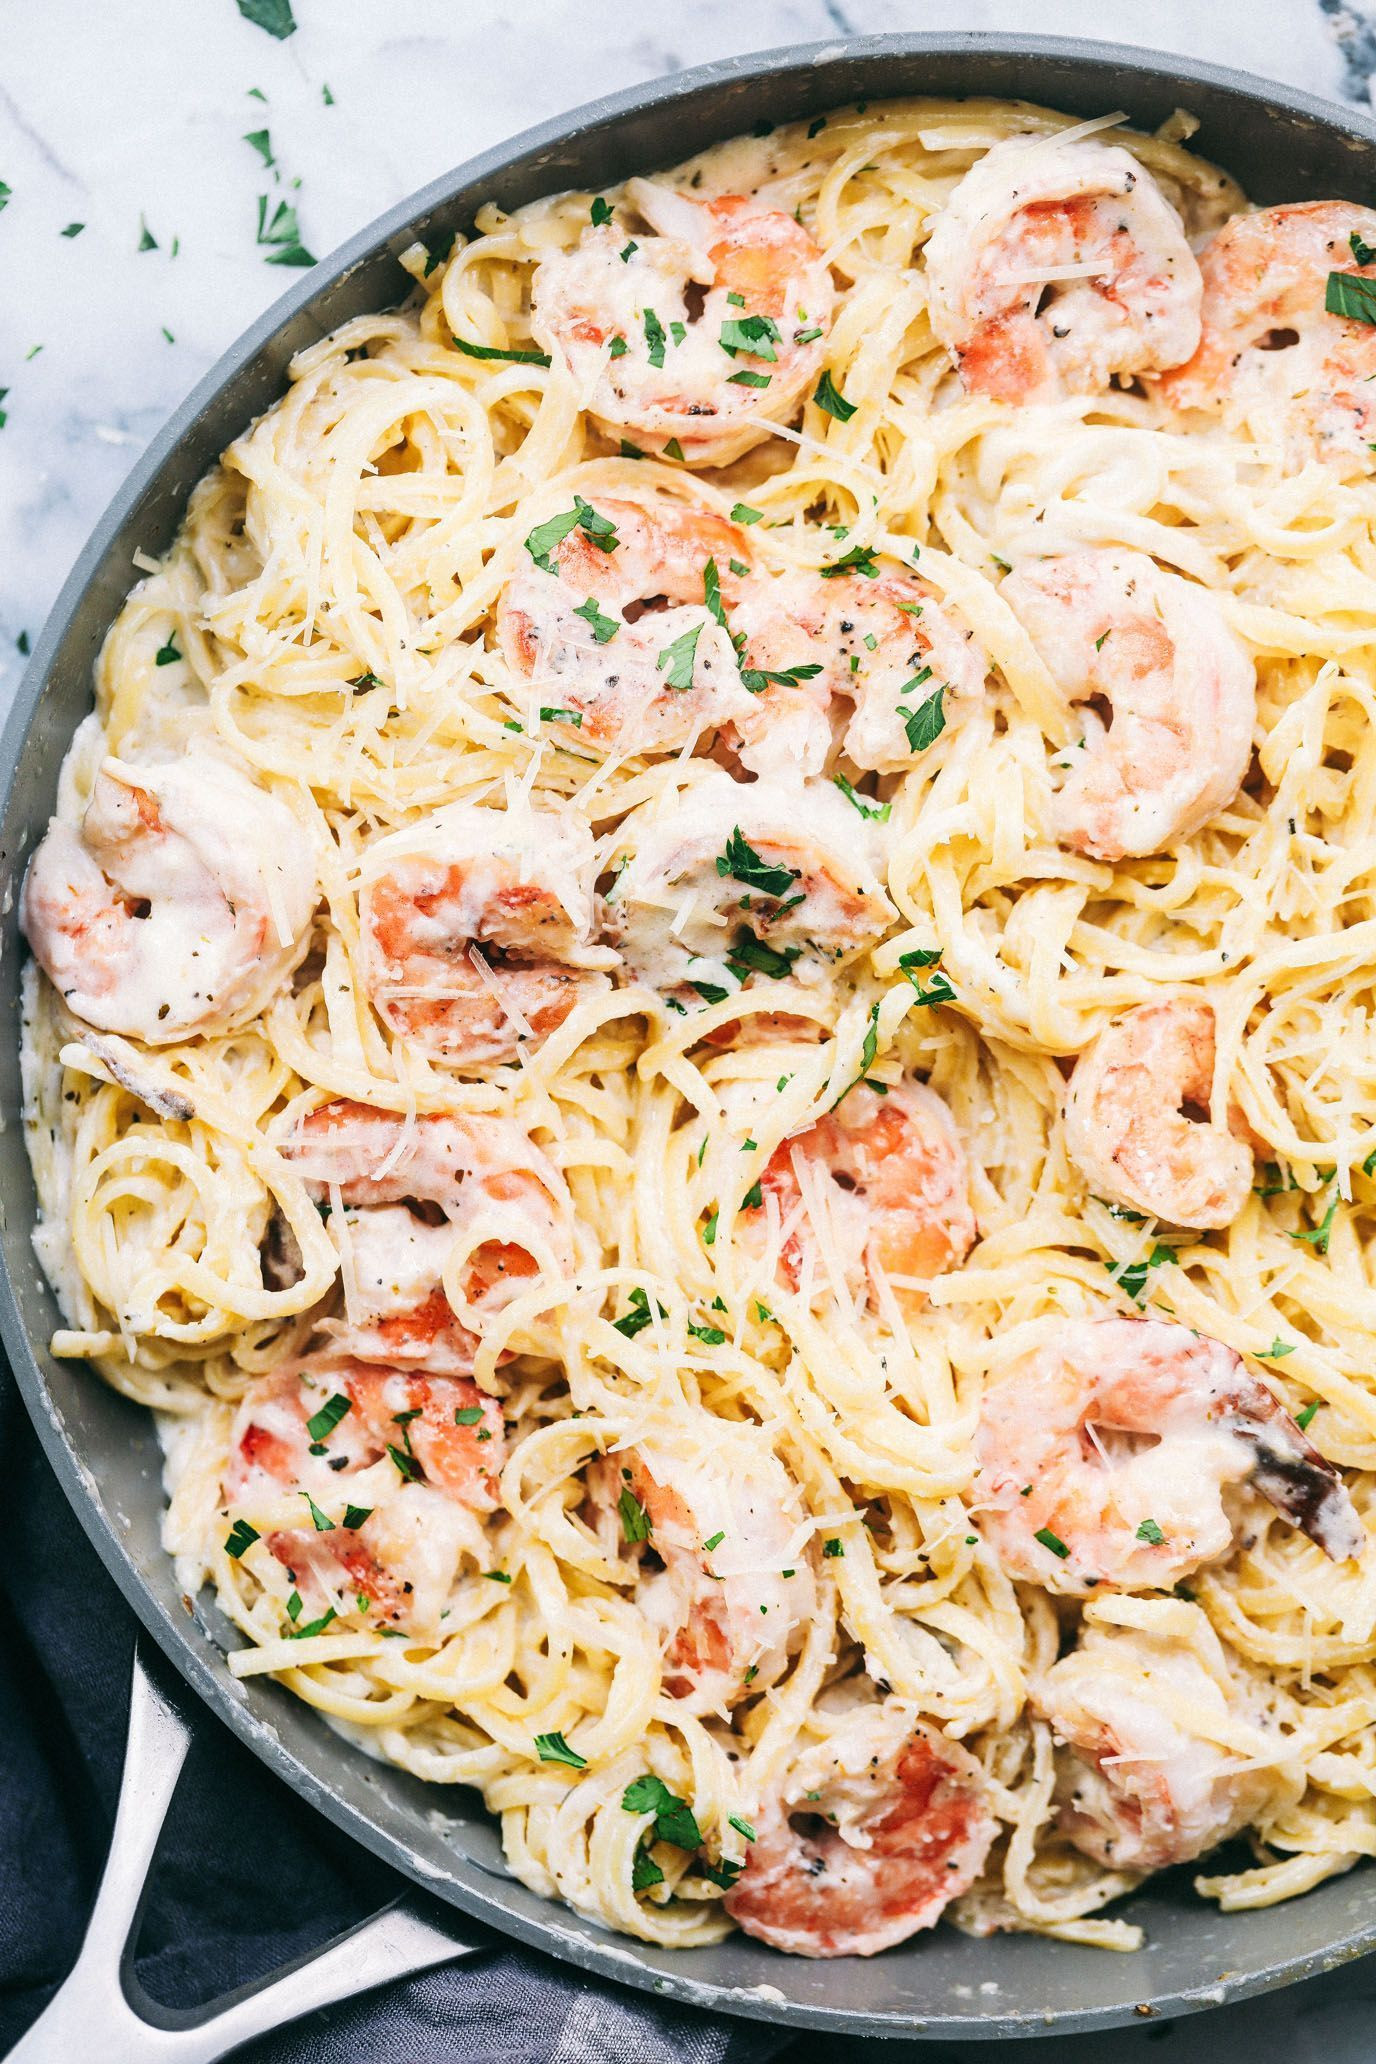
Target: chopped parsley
{"type": "Point", "coordinates": [1318, 1236]}
{"type": "Point", "coordinates": [830, 398]}
{"type": "Point", "coordinates": [1051, 1541]}
{"type": "Point", "coordinates": [755, 335]}
{"type": "Point", "coordinates": [710, 1336]}
{"type": "Point", "coordinates": [73, 229]}
{"type": "Point", "coordinates": [709, 1231]}
{"type": "Point", "coordinates": [600, 212]}
{"type": "Point", "coordinates": [552, 1748]}
{"type": "Point", "coordinates": [673, 449]}
{"type": "Point", "coordinates": [639, 1316]}
{"type": "Point", "coordinates": [314, 1626]}
{"type": "Point", "coordinates": [321, 1520]}
{"type": "Point", "coordinates": [922, 957]}
{"type": "Point", "coordinates": [743, 513]}
{"type": "Point", "coordinates": [322, 1424]}
{"type": "Point", "coordinates": [241, 1536]}
{"type": "Point", "coordinates": [877, 812]}
{"type": "Point", "coordinates": [540, 358]}
{"type": "Point", "coordinates": [273, 15]}
{"type": "Point", "coordinates": [715, 1542]}
{"type": "Point", "coordinates": [555, 713]}
{"type": "Point", "coordinates": [1277, 1350]}
{"type": "Point", "coordinates": [1303, 1419]}
{"type": "Point", "coordinates": [635, 1520]}
{"type": "Point", "coordinates": [1362, 252]}
{"type": "Point", "coordinates": [5, 192]}
{"type": "Point", "coordinates": [167, 655]}
{"type": "Point", "coordinates": [859, 559]}
{"type": "Point", "coordinates": [748, 379]}
{"type": "Point", "coordinates": [711, 592]}
{"type": "Point", "coordinates": [645, 1872]}
{"type": "Point", "coordinates": [1150, 1532]}
{"type": "Point", "coordinates": [259, 140]}
{"type": "Point", "coordinates": [750, 955]}
{"type": "Point", "coordinates": [618, 349]}
{"type": "Point", "coordinates": [743, 864]}
{"type": "Point", "coordinates": [753, 1200]}
{"type": "Point", "coordinates": [833, 1547]}
{"type": "Point", "coordinates": [742, 1827]}
{"type": "Point", "coordinates": [674, 1818]}
{"type": "Point", "coordinates": [582, 516]}
{"type": "Point", "coordinates": [1352, 295]}
{"type": "Point", "coordinates": [282, 233]}
{"type": "Point", "coordinates": [654, 337]}
{"type": "Point", "coordinates": [497, 1576]}
{"type": "Point", "coordinates": [925, 724]}
{"type": "Point", "coordinates": [628, 251]}
{"type": "Point", "coordinates": [356, 1516]}
{"type": "Point", "coordinates": [1132, 1276]}
{"type": "Point", "coordinates": [407, 1466]}
{"type": "Point", "coordinates": [468, 1415]}
{"type": "Point", "coordinates": [757, 679]}
{"type": "Point", "coordinates": [677, 659]}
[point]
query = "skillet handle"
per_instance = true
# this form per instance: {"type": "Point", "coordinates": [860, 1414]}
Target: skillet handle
{"type": "Point", "coordinates": [102, 2001]}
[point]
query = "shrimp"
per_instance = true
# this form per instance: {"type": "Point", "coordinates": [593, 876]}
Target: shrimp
{"type": "Point", "coordinates": [1272, 359]}
{"type": "Point", "coordinates": [1056, 265]}
{"type": "Point", "coordinates": [471, 1167]}
{"type": "Point", "coordinates": [715, 1506]}
{"type": "Point", "coordinates": [1142, 1783]}
{"type": "Point", "coordinates": [878, 1826]}
{"type": "Point", "coordinates": [703, 331]}
{"type": "Point", "coordinates": [367, 1483]}
{"type": "Point", "coordinates": [1180, 688]}
{"type": "Point", "coordinates": [1128, 1127]}
{"type": "Point", "coordinates": [886, 1176]}
{"type": "Point", "coordinates": [622, 641]}
{"type": "Point", "coordinates": [1103, 1455]}
{"type": "Point", "coordinates": [478, 929]}
{"type": "Point", "coordinates": [179, 903]}
{"type": "Point", "coordinates": [726, 888]}
{"type": "Point", "coordinates": [887, 645]}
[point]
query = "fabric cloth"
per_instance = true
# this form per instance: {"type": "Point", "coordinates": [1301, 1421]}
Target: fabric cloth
{"type": "Point", "coordinates": [247, 1876]}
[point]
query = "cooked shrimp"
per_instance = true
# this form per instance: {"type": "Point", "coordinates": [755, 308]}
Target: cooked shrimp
{"type": "Point", "coordinates": [623, 639]}
{"type": "Point", "coordinates": [1180, 689]}
{"type": "Point", "coordinates": [396, 1309]}
{"type": "Point", "coordinates": [399, 1466]}
{"type": "Point", "coordinates": [704, 330]}
{"type": "Point", "coordinates": [717, 1508]}
{"type": "Point", "coordinates": [1271, 357]}
{"type": "Point", "coordinates": [1142, 1784]}
{"type": "Point", "coordinates": [1104, 1453]}
{"type": "Point", "coordinates": [179, 903]}
{"type": "Point", "coordinates": [1055, 266]}
{"type": "Point", "coordinates": [478, 927]}
{"type": "Point", "coordinates": [887, 1178]}
{"type": "Point", "coordinates": [876, 1829]}
{"type": "Point", "coordinates": [1128, 1123]}
{"type": "Point", "coordinates": [886, 646]}
{"type": "Point", "coordinates": [736, 884]}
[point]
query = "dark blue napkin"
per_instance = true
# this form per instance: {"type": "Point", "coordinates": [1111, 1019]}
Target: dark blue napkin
{"type": "Point", "coordinates": [247, 1876]}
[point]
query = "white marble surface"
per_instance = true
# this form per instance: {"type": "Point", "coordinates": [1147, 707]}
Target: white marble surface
{"type": "Point", "coordinates": [131, 109]}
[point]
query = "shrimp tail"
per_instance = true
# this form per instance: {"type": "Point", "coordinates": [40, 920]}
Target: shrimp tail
{"type": "Point", "coordinates": [1305, 1488]}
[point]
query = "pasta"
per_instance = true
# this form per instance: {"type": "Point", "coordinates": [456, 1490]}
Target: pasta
{"type": "Point", "coordinates": [558, 962]}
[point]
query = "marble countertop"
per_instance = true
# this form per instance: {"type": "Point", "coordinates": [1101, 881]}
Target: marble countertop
{"type": "Point", "coordinates": [128, 250]}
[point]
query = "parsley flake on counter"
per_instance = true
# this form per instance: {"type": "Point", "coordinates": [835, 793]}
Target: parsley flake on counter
{"type": "Point", "coordinates": [326, 95]}
{"type": "Point", "coordinates": [5, 192]}
{"type": "Point", "coordinates": [261, 141]}
{"type": "Point", "coordinates": [273, 15]}
{"type": "Point", "coordinates": [147, 240]}
{"type": "Point", "coordinates": [73, 229]}
{"type": "Point", "coordinates": [552, 1748]}
{"type": "Point", "coordinates": [281, 234]}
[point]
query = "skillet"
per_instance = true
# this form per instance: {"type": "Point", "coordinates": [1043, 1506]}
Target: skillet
{"type": "Point", "coordinates": [1281, 145]}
